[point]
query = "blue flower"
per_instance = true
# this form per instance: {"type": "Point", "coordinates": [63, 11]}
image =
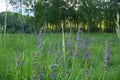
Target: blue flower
{"type": "Point", "coordinates": [53, 75]}
{"type": "Point", "coordinates": [87, 55]}
{"type": "Point", "coordinates": [22, 64]}
{"type": "Point", "coordinates": [41, 72]}
{"type": "Point", "coordinates": [107, 55]}
{"type": "Point", "coordinates": [40, 40]}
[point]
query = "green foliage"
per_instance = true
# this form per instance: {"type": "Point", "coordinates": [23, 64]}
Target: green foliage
{"type": "Point", "coordinates": [89, 13]}
{"type": "Point", "coordinates": [14, 22]}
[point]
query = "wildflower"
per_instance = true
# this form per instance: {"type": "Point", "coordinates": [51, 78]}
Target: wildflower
{"type": "Point", "coordinates": [35, 65]}
{"type": "Point", "coordinates": [70, 48]}
{"type": "Point", "coordinates": [77, 43]}
{"type": "Point", "coordinates": [22, 63]}
{"type": "Point", "coordinates": [87, 55]}
{"type": "Point", "coordinates": [58, 52]}
{"type": "Point", "coordinates": [107, 55]}
{"type": "Point", "coordinates": [78, 33]}
{"type": "Point", "coordinates": [78, 39]}
{"type": "Point", "coordinates": [84, 45]}
{"type": "Point", "coordinates": [63, 63]}
{"type": "Point", "coordinates": [40, 39]}
{"type": "Point", "coordinates": [77, 55]}
{"type": "Point", "coordinates": [87, 71]}
{"type": "Point", "coordinates": [41, 72]}
{"type": "Point", "coordinates": [107, 59]}
{"type": "Point", "coordinates": [69, 43]}
{"type": "Point", "coordinates": [53, 75]}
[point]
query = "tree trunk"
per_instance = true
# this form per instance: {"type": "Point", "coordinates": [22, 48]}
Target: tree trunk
{"type": "Point", "coordinates": [5, 22]}
{"type": "Point", "coordinates": [88, 26]}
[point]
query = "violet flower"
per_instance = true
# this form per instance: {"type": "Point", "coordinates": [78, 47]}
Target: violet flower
{"type": "Point", "coordinates": [78, 33]}
{"type": "Point", "coordinates": [107, 55]}
{"type": "Point", "coordinates": [40, 39]}
{"type": "Point", "coordinates": [87, 55]}
{"type": "Point", "coordinates": [41, 75]}
{"type": "Point", "coordinates": [85, 49]}
{"type": "Point", "coordinates": [53, 75]}
{"type": "Point", "coordinates": [76, 51]}
{"type": "Point", "coordinates": [63, 63]}
{"type": "Point", "coordinates": [35, 65]}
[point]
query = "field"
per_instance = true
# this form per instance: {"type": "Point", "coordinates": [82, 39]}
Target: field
{"type": "Point", "coordinates": [46, 57]}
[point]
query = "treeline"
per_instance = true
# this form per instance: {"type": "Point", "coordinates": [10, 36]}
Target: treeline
{"type": "Point", "coordinates": [16, 23]}
{"type": "Point", "coordinates": [90, 15]}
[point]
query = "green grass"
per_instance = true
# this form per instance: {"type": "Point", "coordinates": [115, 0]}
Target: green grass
{"type": "Point", "coordinates": [17, 57]}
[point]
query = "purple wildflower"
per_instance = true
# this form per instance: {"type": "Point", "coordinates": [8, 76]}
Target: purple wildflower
{"type": "Point", "coordinates": [63, 63]}
{"type": "Point", "coordinates": [78, 33]}
{"type": "Point", "coordinates": [35, 65]}
{"type": "Point", "coordinates": [76, 51]}
{"type": "Point", "coordinates": [40, 76]}
{"type": "Point", "coordinates": [87, 71]}
{"type": "Point", "coordinates": [22, 63]}
{"type": "Point", "coordinates": [77, 55]}
{"type": "Point", "coordinates": [40, 39]}
{"type": "Point", "coordinates": [53, 75]}
{"type": "Point", "coordinates": [87, 55]}
{"type": "Point", "coordinates": [107, 59]}
{"type": "Point", "coordinates": [33, 77]}
{"type": "Point", "coordinates": [70, 46]}
{"type": "Point", "coordinates": [107, 55]}
{"type": "Point", "coordinates": [69, 43]}
{"type": "Point", "coordinates": [40, 47]}
{"type": "Point", "coordinates": [84, 45]}
{"type": "Point", "coordinates": [77, 38]}
{"type": "Point", "coordinates": [58, 52]}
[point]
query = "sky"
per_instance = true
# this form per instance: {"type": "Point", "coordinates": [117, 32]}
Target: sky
{"type": "Point", "coordinates": [3, 6]}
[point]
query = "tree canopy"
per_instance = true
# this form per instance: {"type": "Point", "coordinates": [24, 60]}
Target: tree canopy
{"type": "Point", "coordinates": [91, 15]}
{"type": "Point", "coordinates": [94, 15]}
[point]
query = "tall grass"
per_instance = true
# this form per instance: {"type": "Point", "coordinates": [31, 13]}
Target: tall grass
{"type": "Point", "coordinates": [118, 27]}
{"type": "Point", "coordinates": [18, 57]}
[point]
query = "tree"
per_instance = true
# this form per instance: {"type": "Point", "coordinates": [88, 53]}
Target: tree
{"type": "Point", "coordinates": [98, 15]}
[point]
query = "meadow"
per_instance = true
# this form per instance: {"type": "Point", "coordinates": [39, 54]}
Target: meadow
{"type": "Point", "coordinates": [45, 57]}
